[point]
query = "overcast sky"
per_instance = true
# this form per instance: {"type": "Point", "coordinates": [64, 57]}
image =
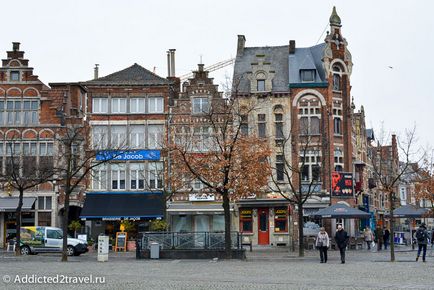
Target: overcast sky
{"type": "Point", "coordinates": [64, 39]}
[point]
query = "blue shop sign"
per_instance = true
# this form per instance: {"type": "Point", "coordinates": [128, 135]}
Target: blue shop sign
{"type": "Point", "coordinates": [129, 155]}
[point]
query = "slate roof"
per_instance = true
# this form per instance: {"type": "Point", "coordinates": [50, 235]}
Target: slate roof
{"type": "Point", "coordinates": [307, 58]}
{"type": "Point", "coordinates": [133, 75]}
{"type": "Point", "coordinates": [277, 56]}
{"type": "Point", "coordinates": [286, 66]}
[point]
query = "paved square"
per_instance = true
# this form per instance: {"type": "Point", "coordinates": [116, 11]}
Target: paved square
{"type": "Point", "coordinates": [264, 269]}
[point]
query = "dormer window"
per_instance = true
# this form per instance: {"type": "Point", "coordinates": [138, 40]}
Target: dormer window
{"type": "Point", "coordinates": [260, 85]}
{"type": "Point", "coordinates": [307, 75]}
{"type": "Point", "coordinates": [15, 76]}
{"type": "Point", "coordinates": [260, 82]}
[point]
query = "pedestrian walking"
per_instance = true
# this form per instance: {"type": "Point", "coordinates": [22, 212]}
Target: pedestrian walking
{"type": "Point", "coordinates": [379, 236]}
{"type": "Point", "coordinates": [369, 237]}
{"type": "Point", "coordinates": [341, 238]}
{"type": "Point", "coordinates": [422, 241]}
{"type": "Point", "coordinates": [322, 243]}
{"type": "Point", "coordinates": [386, 238]}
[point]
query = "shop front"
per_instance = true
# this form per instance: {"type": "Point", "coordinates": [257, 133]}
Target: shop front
{"type": "Point", "coordinates": [264, 221]}
{"type": "Point", "coordinates": [8, 207]}
{"type": "Point", "coordinates": [103, 212]}
{"type": "Point", "coordinates": [196, 217]}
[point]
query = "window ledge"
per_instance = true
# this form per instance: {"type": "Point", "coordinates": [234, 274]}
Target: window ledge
{"type": "Point", "coordinates": [247, 233]}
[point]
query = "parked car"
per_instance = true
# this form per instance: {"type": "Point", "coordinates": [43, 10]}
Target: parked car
{"type": "Point", "coordinates": [47, 240]}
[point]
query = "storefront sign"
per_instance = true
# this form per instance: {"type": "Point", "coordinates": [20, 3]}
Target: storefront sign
{"type": "Point", "coordinates": [246, 213]}
{"type": "Point", "coordinates": [128, 155]}
{"type": "Point", "coordinates": [201, 197]}
{"type": "Point", "coordinates": [121, 242]}
{"type": "Point", "coordinates": [342, 184]}
{"type": "Point", "coordinates": [280, 213]}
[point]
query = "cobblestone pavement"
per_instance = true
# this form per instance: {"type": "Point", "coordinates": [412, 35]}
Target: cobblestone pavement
{"type": "Point", "coordinates": [264, 269]}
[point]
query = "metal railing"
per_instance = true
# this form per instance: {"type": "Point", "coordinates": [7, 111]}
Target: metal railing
{"type": "Point", "coordinates": [188, 240]}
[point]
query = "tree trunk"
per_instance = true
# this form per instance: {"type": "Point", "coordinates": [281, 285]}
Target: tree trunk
{"type": "Point", "coordinates": [65, 226]}
{"type": "Point", "coordinates": [300, 231]}
{"type": "Point", "coordinates": [227, 213]}
{"type": "Point", "coordinates": [18, 221]}
{"type": "Point", "coordinates": [392, 232]}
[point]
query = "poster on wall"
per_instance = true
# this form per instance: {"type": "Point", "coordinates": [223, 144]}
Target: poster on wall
{"type": "Point", "coordinates": [342, 184]}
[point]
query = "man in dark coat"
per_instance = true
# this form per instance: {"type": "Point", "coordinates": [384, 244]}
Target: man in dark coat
{"type": "Point", "coordinates": [341, 238]}
{"type": "Point", "coordinates": [386, 238]}
{"type": "Point", "coordinates": [422, 241]}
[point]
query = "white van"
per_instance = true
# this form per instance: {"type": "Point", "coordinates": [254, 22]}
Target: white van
{"type": "Point", "coordinates": [48, 239]}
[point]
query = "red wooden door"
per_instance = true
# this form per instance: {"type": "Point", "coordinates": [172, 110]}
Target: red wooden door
{"type": "Point", "coordinates": [263, 228]}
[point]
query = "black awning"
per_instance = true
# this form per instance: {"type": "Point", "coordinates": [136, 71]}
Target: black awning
{"type": "Point", "coordinates": [340, 211]}
{"type": "Point", "coordinates": [115, 206]}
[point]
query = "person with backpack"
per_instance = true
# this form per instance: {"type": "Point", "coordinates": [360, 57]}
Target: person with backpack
{"type": "Point", "coordinates": [422, 241]}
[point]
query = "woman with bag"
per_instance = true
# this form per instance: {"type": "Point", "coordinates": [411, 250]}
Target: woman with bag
{"type": "Point", "coordinates": [322, 244]}
{"type": "Point", "coordinates": [369, 237]}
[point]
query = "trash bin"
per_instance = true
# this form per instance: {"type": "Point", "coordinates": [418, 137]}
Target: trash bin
{"type": "Point", "coordinates": [155, 250]}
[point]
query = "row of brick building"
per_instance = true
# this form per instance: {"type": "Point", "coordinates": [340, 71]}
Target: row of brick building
{"type": "Point", "coordinates": [308, 88]}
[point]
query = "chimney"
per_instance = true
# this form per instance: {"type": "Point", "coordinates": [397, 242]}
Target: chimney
{"type": "Point", "coordinates": [168, 63]}
{"type": "Point", "coordinates": [394, 147]}
{"type": "Point", "coordinates": [241, 44]}
{"type": "Point", "coordinates": [95, 71]}
{"type": "Point", "coordinates": [172, 62]}
{"type": "Point", "coordinates": [15, 46]}
{"type": "Point", "coordinates": [291, 46]}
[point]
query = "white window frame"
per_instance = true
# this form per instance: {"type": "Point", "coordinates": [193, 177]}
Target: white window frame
{"type": "Point", "coordinates": [200, 105]}
{"type": "Point", "coordinates": [137, 105]}
{"type": "Point", "coordinates": [155, 136]}
{"type": "Point", "coordinates": [155, 105]}
{"type": "Point", "coordinates": [99, 177]}
{"type": "Point", "coordinates": [137, 173]}
{"type": "Point", "coordinates": [100, 106]}
{"type": "Point", "coordinates": [155, 175]}
{"type": "Point", "coordinates": [306, 112]}
{"type": "Point", "coordinates": [118, 136]}
{"type": "Point", "coordinates": [118, 174]}
{"type": "Point", "coordinates": [311, 158]}
{"type": "Point", "coordinates": [119, 105]}
{"type": "Point", "coordinates": [100, 136]}
{"type": "Point", "coordinates": [137, 136]}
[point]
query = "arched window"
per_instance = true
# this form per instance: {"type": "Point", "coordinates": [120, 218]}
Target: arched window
{"type": "Point", "coordinates": [309, 116]}
{"type": "Point", "coordinates": [336, 78]}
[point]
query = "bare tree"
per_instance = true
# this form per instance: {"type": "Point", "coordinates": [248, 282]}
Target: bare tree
{"type": "Point", "coordinates": [297, 171]}
{"type": "Point", "coordinates": [221, 155]}
{"type": "Point", "coordinates": [387, 171]}
{"type": "Point", "coordinates": [23, 172]}
{"type": "Point", "coordinates": [78, 157]}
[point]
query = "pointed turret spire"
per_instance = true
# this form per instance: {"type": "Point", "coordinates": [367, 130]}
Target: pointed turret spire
{"type": "Point", "coordinates": [334, 18]}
